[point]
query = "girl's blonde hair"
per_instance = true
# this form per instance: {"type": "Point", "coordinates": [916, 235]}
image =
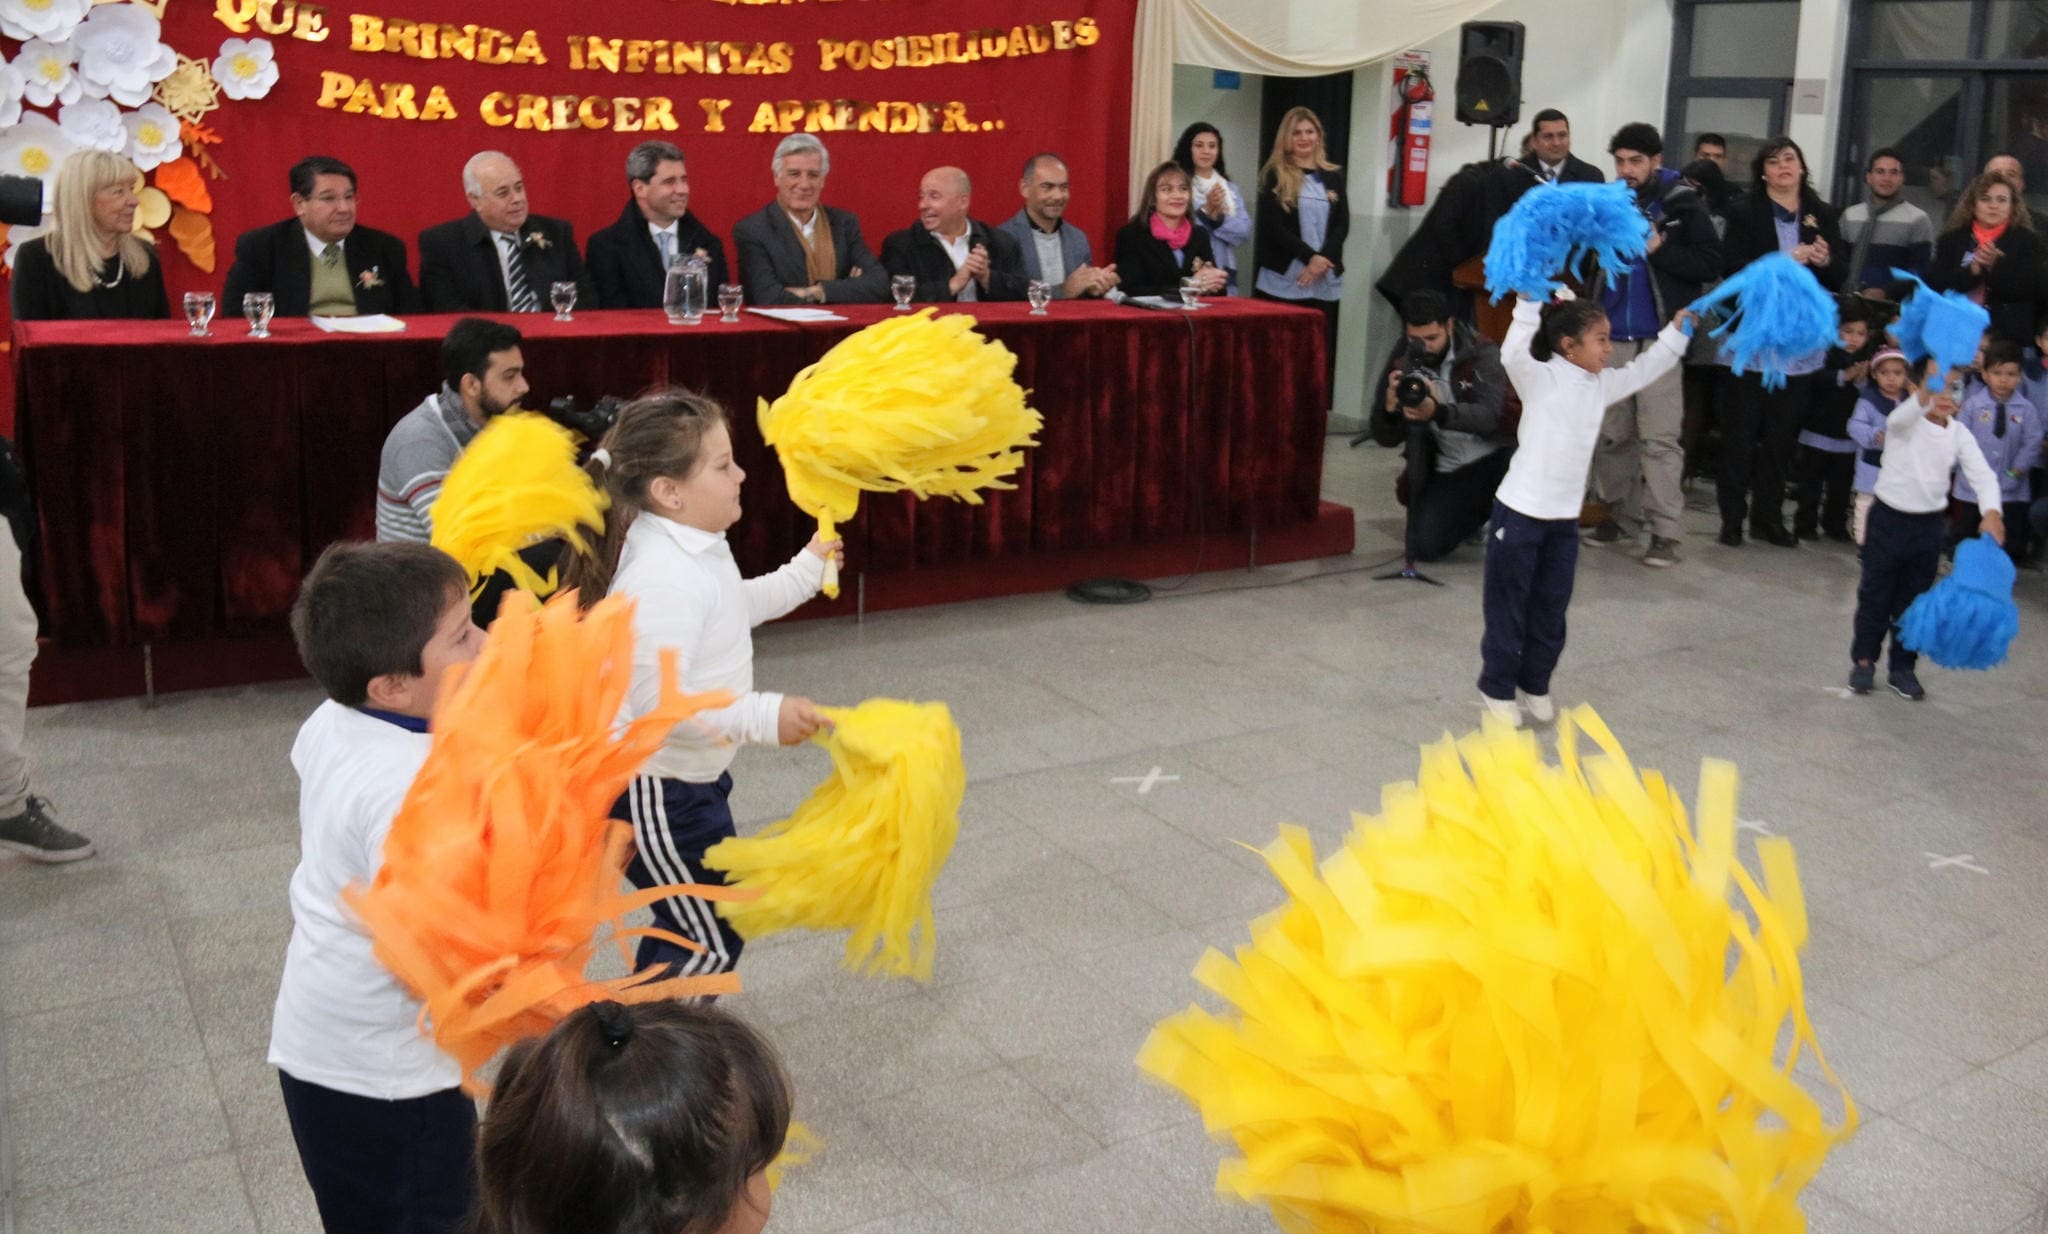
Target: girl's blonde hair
{"type": "Point", "coordinates": [1280, 171]}
{"type": "Point", "coordinates": [74, 237]}
{"type": "Point", "coordinates": [661, 433]}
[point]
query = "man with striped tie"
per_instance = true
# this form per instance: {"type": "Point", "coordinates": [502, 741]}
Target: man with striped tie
{"type": "Point", "coordinates": [500, 257]}
{"type": "Point", "coordinates": [630, 259]}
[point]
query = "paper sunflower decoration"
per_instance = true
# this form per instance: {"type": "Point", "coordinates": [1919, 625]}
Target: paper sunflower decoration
{"type": "Point", "coordinates": [1525, 999]}
{"type": "Point", "coordinates": [48, 73]}
{"type": "Point", "coordinates": [152, 136]}
{"type": "Point", "coordinates": [245, 68]}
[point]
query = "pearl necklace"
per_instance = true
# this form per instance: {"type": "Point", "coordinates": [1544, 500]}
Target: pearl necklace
{"type": "Point", "coordinates": [120, 272]}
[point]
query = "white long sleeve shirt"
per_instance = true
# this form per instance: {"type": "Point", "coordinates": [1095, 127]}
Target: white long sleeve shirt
{"type": "Point", "coordinates": [342, 1020]}
{"type": "Point", "coordinates": [1920, 455]}
{"type": "Point", "coordinates": [1562, 407]}
{"type": "Point", "coordinates": [689, 596]}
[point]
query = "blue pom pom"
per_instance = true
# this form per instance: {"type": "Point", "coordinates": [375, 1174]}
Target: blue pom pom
{"type": "Point", "coordinates": [1945, 325]}
{"type": "Point", "coordinates": [1554, 228]}
{"type": "Point", "coordinates": [1782, 315]}
{"type": "Point", "coordinates": [1967, 620]}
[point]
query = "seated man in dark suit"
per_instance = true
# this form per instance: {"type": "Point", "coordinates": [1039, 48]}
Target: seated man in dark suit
{"type": "Point", "coordinates": [952, 256]}
{"type": "Point", "coordinates": [500, 257]}
{"type": "Point", "coordinates": [629, 260]}
{"type": "Point", "coordinates": [787, 258]}
{"type": "Point", "coordinates": [320, 263]}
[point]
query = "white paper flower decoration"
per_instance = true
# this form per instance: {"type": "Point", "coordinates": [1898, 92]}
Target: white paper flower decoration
{"type": "Point", "coordinates": [121, 54]}
{"type": "Point", "coordinates": [34, 147]}
{"type": "Point", "coordinates": [41, 19]}
{"type": "Point", "coordinates": [49, 69]}
{"type": "Point", "coordinates": [245, 68]}
{"type": "Point", "coordinates": [18, 236]}
{"type": "Point", "coordinates": [93, 124]}
{"type": "Point", "coordinates": [11, 89]}
{"type": "Point", "coordinates": [152, 136]}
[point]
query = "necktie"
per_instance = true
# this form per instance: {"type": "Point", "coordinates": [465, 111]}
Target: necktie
{"type": "Point", "coordinates": [518, 294]}
{"type": "Point", "coordinates": [666, 241]}
{"type": "Point", "coordinates": [331, 255]}
{"type": "Point", "coordinates": [1998, 422]}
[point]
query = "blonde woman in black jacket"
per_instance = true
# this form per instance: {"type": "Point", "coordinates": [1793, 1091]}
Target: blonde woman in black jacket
{"type": "Point", "coordinates": [1304, 216]}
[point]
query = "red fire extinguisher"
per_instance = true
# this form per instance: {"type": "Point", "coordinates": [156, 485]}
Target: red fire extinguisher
{"type": "Point", "coordinates": [1408, 170]}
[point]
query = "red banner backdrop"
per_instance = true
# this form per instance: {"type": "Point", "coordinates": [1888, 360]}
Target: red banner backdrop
{"type": "Point", "coordinates": [406, 90]}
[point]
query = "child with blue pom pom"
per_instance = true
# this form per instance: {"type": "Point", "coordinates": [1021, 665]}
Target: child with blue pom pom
{"type": "Point", "coordinates": [1907, 524]}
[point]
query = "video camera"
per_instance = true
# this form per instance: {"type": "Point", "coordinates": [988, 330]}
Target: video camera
{"type": "Point", "coordinates": [592, 423]}
{"type": "Point", "coordinates": [21, 201]}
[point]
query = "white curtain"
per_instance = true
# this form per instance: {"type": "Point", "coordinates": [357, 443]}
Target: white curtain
{"type": "Point", "coordinates": [1278, 38]}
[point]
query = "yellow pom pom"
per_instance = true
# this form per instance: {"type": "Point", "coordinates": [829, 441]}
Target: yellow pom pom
{"type": "Point", "coordinates": [917, 404]}
{"type": "Point", "coordinates": [516, 484]}
{"type": "Point", "coordinates": [863, 852]}
{"type": "Point", "coordinates": [1522, 1000]}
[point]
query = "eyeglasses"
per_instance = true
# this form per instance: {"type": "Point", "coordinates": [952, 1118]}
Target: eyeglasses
{"type": "Point", "coordinates": [332, 199]}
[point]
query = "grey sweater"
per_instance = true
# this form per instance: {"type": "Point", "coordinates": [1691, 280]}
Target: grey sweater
{"type": "Point", "coordinates": [417, 456]}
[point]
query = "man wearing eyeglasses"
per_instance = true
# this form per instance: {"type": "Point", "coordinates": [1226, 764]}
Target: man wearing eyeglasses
{"type": "Point", "coordinates": [500, 257]}
{"type": "Point", "coordinates": [320, 262]}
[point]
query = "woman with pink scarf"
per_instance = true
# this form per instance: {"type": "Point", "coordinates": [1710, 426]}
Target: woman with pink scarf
{"type": "Point", "coordinates": [1161, 245]}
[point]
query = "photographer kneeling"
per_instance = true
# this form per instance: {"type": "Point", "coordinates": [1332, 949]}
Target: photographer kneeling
{"type": "Point", "coordinates": [1446, 381]}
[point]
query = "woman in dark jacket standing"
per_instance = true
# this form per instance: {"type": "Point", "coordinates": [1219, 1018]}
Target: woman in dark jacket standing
{"type": "Point", "coordinates": [1991, 253]}
{"type": "Point", "coordinates": [1162, 245]}
{"type": "Point", "coordinates": [1760, 427]}
{"type": "Point", "coordinates": [1303, 218]}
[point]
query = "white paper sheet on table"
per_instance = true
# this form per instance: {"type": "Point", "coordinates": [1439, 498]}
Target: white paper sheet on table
{"type": "Point", "coordinates": [798, 314]}
{"type": "Point", "coordinates": [369, 323]}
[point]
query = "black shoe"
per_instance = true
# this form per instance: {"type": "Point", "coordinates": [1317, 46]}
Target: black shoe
{"type": "Point", "coordinates": [1905, 684]}
{"type": "Point", "coordinates": [1731, 536]}
{"type": "Point", "coordinates": [1775, 535]}
{"type": "Point", "coordinates": [1862, 678]}
{"type": "Point", "coordinates": [34, 834]}
{"type": "Point", "coordinates": [1806, 533]}
{"type": "Point", "coordinates": [1840, 535]}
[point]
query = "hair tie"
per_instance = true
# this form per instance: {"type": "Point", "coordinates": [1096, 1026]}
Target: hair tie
{"type": "Point", "coordinates": [614, 1021]}
{"type": "Point", "coordinates": [602, 457]}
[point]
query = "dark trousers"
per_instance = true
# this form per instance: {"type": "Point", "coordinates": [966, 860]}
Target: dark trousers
{"type": "Point", "coordinates": [1699, 387]}
{"type": "Point", "coordinates": [385, 1167]}
{"type": "Point", "coordinates": [1901, 553]}
{"type": "Point", "coordinates": [1825, 481]}
{"type": "Point", "coordinates": [1328, 308]}
{"type": "Point", "coordinates": [2019, 527]}
{"type": "Point", "coordinates": [1529, 567]}
{"type": "Point", "coordinates": [1759, 430]}
{"type": "Point", "coordinates": [674, 821]}
{"type": "Point", "coordinates": [1454, 505]}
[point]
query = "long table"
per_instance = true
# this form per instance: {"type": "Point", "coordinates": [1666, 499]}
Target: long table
{"type": "Point", "coordinates": [186, 484]}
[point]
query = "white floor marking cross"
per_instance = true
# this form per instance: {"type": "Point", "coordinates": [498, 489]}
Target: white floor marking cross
{"type": "Point", "coordinates": [1935, 861]}
{"type": "Point", "coordinates": [1145, 782]}
{"type": "Point", "coordinates": [1750, 824]}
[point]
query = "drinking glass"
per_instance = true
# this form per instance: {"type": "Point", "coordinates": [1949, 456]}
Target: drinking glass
{"type": "Point", "coordinates": [199, 312]}
{"type": "Point", "coordinates": [730, 297]}
{"type": "Point", "coordinates": [563, 297]}
{"type": "Point", "coordinates": [903, 286]}
{"type": "Point", "coordinates": [257, 306]}
{"type": "Point", "coordinates": [1191, 292]}
{"type": "Point", "coordinates": [1039, 292]}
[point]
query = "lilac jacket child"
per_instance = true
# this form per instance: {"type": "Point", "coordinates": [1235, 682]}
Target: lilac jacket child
{"type": "Point", "coordinates": [2013, 448]}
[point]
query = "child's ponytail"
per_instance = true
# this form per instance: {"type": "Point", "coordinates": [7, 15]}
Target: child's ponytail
{"type": "Point", "coordinates": [1562, 319]}
{"type": "Point", "coordinates": [661, 433]}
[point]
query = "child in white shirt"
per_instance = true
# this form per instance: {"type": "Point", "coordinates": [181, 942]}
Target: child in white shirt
{"type": "Point", "coordinates": [668, 467]}
{"type": "Point", "coordinates": [383, 1131]}
{"type": "Point", "coordinates": [1556, 356]}
{"type": "Point", "coordinates": [1907, 525]}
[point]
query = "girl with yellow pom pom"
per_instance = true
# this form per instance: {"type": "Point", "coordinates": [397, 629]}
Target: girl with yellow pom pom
{"type": "Point", "coordinates": [667, 466]}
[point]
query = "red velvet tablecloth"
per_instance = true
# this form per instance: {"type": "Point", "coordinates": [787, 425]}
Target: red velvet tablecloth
{"type": "Point", "coordinates": [186, 484]}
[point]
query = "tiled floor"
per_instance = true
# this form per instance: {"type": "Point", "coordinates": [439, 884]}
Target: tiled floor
{"type": "Point", "coordinates": [136, 987]}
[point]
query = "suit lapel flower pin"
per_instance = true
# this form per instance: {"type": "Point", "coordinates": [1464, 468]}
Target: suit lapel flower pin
{"type": "Point", "coordinates": [537, 240]}
{"type": "Point", "coordinates": [369, 278]}
{"type": "Point", "coordinates": [1811, 221]}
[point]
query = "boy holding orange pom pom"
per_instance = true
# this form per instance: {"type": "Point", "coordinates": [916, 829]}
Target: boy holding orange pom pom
{"type": "Point", "coordinates": [384, 1133]}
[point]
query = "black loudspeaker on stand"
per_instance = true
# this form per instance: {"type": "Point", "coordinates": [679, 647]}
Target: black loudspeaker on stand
{"type": "Point", "coordinates": [1418, 464]}
{"type": "Point", "coordinates": [1490, 73]}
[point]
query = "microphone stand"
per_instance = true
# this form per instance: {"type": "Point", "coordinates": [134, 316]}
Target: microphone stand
{"type": "Point", "coordinates": [1418, 472]}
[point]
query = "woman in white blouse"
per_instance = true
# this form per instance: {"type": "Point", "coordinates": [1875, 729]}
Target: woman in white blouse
{"type": "Point", "coordinates": [1219, 206]}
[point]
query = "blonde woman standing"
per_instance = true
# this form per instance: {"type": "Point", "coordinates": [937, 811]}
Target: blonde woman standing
{"type": "Point", "coordinates": [1304, 215]}
{"type": "Point", "coordinates": [91, 264]}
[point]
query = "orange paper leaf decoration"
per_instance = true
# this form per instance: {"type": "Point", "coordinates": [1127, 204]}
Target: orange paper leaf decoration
{"type": "Point", "coordinates": [502, 864]}
{"type": "Point", "coordinates": [194, 234]}
{"type": "Point", "coordinates": [181, 180]}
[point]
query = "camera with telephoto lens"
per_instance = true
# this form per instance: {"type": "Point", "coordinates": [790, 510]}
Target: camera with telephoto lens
{"type": "Point", "coordinates": [1418, 376]}
{"type": "Point", "coordinates": [591, 423]}
{"type": "Point", "coordinates": [21, 201]}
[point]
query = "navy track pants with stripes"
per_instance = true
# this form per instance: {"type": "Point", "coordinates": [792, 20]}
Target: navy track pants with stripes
{"type": "Point", "coordinates": [674, 821]}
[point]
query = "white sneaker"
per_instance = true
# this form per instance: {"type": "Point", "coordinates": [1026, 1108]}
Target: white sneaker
{"type": "Point", "coordinates": [1505, 708]}
{"type": "Point", "coordinates": [1541, 709]}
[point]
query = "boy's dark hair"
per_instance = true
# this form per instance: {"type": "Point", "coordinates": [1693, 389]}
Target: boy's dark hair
{"type": "Point", "coordinates": [1563, 320]}
{"type": "Point", "coordinates": [1713, 183]}
{"type": "Point", "coordinates": [661, 433]}
{"type": "Point", "coordinates": [469, 347]}
{"type": "Point", "coordinates": [643, 1119]}
{"type": "Point", "coordinates": [2002, 351]}
{"type": "Point", "coordinates": [366, 610]}
{"type": "Point", "coordinates": [1425, 307]}
{"type": "Point", "coordinates": [1637, 136]}
{"type": "Point", "coordinates": [1884, 152]}
{"type": "Point", "coordinates": [1709, 139]}
{"type": "Point", "coordinates": [307, 171]}
{"type": "Point", "coordinates": [1851, 309]}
